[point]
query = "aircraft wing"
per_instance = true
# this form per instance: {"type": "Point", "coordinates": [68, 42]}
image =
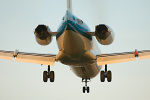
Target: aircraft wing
{"type": "Point", "coordinates": [45, 59]}
{"type": "Point", "coordinates": [105, 59]}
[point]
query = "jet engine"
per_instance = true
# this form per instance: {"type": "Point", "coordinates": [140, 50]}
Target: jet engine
{"type": "Point", "coordinates": [104, 34]}
{"type": "Point", "coordinates": [42, 35]}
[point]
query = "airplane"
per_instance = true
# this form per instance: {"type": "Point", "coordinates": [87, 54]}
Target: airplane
{"type": "Point", "coordinates": [78, 49]}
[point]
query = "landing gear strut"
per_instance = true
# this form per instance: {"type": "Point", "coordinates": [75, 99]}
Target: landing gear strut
{"type": "Point", "coordinates": [106, 74]}
{"type": "Point", "coordinates": [48, 74]}
{"type": "Point", "coordinates": [86, 88]}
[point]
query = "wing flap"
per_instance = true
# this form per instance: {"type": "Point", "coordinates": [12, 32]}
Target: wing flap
{"type": "Point", "coordinates": [115, 58]}
{"type": "Point", "coordinates": [45, 59]}
{"type": "Point", "coordinates": [36, 58]}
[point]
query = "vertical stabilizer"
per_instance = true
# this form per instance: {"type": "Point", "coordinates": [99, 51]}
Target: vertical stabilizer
{"type": "Point", "coordinates": [69, 5]}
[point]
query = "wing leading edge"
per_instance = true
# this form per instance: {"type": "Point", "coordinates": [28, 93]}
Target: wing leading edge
{"type": "Point", "coordinates": [45, 59]}
{"type": "Point", "coordinates": [105, 59]}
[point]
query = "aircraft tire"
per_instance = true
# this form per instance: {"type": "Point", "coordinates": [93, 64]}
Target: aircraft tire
{"type": "Point", "coordinates": [45, 78]}
{"type": "Point", "coordinates": [88, 89]}
{"type": "Point", "coordinates": [83, 89]}
{"type": "Point", "coordinates": [102, 76]}
{"type": "Point", "coordinates": [109, 76]}
{"type": "Point", "coordinates": [52, 76]}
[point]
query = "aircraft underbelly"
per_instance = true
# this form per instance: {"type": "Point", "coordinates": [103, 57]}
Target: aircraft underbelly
{"type": "Point", "coordinates": [86, 71]}
{"type": "Point", "coordinates": [73, 44]}
{"type": "Point", "coordinates": [74, 50]}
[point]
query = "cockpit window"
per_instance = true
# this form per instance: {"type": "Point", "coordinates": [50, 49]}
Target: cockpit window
{"type": "Point", "coordinates": [63, 18]}
{"type": "Point", "coordinates": [80, 22]}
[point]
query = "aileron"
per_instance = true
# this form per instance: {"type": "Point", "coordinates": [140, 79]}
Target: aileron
{"type": "Point", "coordinates": [144, 54]}
{"type": "Point", "coordinates": [8, 55]}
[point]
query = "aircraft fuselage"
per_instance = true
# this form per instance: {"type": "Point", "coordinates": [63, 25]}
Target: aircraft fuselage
{"type": "Point", "coordinates": [76, 48]}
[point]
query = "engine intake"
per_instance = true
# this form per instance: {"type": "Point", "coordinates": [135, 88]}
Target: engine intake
{"type": "Point", "coordinates": [42, 35]}
{"type": "Point", "coordinates": [104, 34]}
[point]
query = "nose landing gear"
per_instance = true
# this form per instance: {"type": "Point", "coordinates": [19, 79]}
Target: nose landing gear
{"type": "Point", "coordinates": [86, 88]}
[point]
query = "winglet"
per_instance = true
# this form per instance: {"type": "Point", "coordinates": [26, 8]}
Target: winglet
{"type": "Point", "coordinates": [69, 5]}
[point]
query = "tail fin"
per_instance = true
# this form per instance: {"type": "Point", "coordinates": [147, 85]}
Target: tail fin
{"type": "Point", "coordinates": [69, 5]}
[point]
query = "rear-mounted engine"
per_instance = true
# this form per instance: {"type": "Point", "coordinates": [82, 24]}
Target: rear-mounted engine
{"type": "Point", "coordinates": [42, 35]}
{"type": "Point", "coordinates": [104, 34]}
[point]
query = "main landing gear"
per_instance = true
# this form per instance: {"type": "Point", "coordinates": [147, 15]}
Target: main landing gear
{"type": "Point", "coordinates": [106, 74]}
{"type": "Point", "coordinates": [48, 74]}
{"type": "Point", "coordinates": [86, 88]}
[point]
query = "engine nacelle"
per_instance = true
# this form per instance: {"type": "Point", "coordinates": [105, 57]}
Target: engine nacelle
{"type": "Point", "coordinates": [104, 34]}
{"type": "Point", "coordinates": [42, 35]}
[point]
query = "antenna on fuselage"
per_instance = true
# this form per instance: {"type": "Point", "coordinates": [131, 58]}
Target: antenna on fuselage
{"type": "Point", "coordinates": [69, 5]}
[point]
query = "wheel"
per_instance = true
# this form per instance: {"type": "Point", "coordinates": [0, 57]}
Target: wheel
{"type": "Point", "coordinates": [102, 75]}
{"type": "Point", "coordinates": [88, 89]}
{"type": "Point", "coordinates": [83, 89]}
{"type": "Point", "coordinates": [45, 76]}
{"type": "Point", "coordinates": [109, 76]}
{"type": "Point", "coordinates": [52, 76]}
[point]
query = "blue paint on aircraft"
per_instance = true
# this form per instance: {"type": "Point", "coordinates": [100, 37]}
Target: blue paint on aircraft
{"type": "Point", "coordinates": [71, 22]}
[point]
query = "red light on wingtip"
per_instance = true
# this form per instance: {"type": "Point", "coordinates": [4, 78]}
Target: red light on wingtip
{"type": "Point", "coordinates": [136, 53]}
